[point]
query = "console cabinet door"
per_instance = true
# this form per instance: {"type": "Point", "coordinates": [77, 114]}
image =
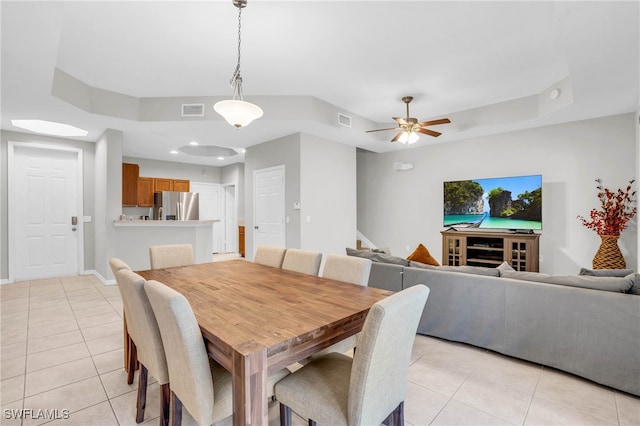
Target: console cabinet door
{"type": "Point", "coordinates": [454, 249]}
{"type": "Point", "coordinates": [521, 254]}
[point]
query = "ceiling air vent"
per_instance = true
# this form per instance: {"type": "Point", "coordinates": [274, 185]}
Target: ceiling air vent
{"type": "Point", "coordinates": [193, 110]}
{"type": "Point", "coordinates": [344, 120]}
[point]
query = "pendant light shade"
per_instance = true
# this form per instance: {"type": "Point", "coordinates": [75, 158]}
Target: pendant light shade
{"type": "Point", "coordinates": [238, 113]}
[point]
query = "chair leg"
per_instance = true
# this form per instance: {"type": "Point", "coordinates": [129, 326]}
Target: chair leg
{"type": "Point", "coordinates": [165, 398]}
{"type": "Point", "coordinates": [142, 394]}
{"type": "Point", "coordinates": [176, 420]}
{"type": "Point", "coordinates": [133, 356]}
{"type": "Point", "coordinates": [285, 415]}
{"type": "Point", "coordinates": [398, 415]}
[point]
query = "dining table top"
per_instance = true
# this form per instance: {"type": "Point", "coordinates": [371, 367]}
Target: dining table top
{"type": "Point", "coordinates": [247, 304]}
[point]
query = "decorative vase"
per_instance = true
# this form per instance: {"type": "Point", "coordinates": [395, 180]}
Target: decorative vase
{"type": "Point", "coordinates": [609, 255]}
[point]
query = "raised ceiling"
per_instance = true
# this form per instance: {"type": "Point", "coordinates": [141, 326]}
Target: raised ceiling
{"type": "Point", "coordinates": [489, 66]}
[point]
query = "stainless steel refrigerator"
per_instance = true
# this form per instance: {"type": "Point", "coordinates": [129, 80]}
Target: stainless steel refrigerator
{"type": "Point", "coordinates": [169, 205]}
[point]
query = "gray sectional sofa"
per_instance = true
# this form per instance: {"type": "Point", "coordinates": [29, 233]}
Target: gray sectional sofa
{"type": "Point", "coordinates": [564, 322]}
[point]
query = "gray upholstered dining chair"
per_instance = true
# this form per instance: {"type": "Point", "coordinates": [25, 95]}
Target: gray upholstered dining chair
{"type": "Point", "coordinates": [269, 255]}
{"type": "Point", "coordinates": [167, 256]}
{"type": "Point", "coordinates": [368, 388]}
{"type": "Point", "coordinates": [350, 269]}
{"type": "Point", "coordinates": [354, 270]}
{"type": "Point", "coordinates": [146, 342]}
{"type": "Point", "coordinates": [305, 261]}
{"type": "Point", "coordinates": [116, 265]}
{"type": "Point", "coordinates": [198, 383]}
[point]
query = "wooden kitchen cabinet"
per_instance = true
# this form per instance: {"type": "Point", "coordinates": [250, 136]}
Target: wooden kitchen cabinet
{"type": "Point", "coordinates": [145, 192]}
{"type": "Point", "coordinates": [181, 185]}
{"type": "Point", "coordinates": [241, 240]}
{"type": "Point", "coordinates": [162, 184]}
{"type": "Point", "coordinates": [130, 174]}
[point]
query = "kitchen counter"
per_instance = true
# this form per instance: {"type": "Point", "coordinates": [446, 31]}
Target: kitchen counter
{"type": "Point", "coordinates": [134, 237]}
{"type": "Point", "coordinates": [163, 223]}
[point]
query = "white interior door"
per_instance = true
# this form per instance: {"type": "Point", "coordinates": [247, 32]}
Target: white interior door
{"type": "Point", "coordinates": [45, 193]}
{"type": "Point", "coordinates": [210, 208]}
{"type": "Point", "coordinates": [269, 207]}
{"type": "Point", "coordinates": [231, 221]}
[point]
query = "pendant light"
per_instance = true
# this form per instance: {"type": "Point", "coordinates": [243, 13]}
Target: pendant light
{"type": "Point", "coordinates": [236, 111]}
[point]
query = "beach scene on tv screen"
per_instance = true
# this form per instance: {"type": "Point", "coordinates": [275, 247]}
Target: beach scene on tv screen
{"type": "Point", "coordinates": [501, 203]}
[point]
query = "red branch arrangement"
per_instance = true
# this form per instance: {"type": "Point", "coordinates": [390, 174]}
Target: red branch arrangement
{"type": "Point", "coordinates": [616, 209]}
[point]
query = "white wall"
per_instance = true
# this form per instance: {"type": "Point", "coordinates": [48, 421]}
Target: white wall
{"type": "Point", "coordinates": [402, 209]}
{"type": "Point", "coordinates": [327, 195]}
{"type": "Point", "coordinates": [108, 182]}
{"type": "Point", "coordinates": [174, 170]}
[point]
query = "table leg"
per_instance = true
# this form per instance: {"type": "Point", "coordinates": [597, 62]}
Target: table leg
{"type": "Point", "coordinates": [250, 404]}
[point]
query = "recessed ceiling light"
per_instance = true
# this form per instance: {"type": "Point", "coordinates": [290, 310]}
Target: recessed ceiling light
{"type": "Point", "coordinates": [554, 94]}
{"type": "Point", "coordinates": [220, 158]}
{"type": "Point", "coordinates": [242, 150]}
{"type": "Point", "coordinates": [193, 143]}
{"type": "Point", "coordinates": [173, 152]}
{"type": "Point", "coordinates": [49, 128]}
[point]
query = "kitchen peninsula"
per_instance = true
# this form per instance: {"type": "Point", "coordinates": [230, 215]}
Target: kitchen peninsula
{"type": "Point", "coordinates": [134, 237]}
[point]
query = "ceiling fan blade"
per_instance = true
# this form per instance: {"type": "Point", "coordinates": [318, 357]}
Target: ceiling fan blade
{"type": "Point", "coordinates": [397, 137]}
{"type": "Point", "coordinates": [379, 130]}
{"type": "Point", "coordinates": [434, 122]}
{"type": "Point", "coordinates": [428, 132]}
{"type": "Point", "coordinates": [400, 121]}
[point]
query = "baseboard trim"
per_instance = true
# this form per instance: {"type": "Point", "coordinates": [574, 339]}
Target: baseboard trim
{"type": "Point", "coordinates": [100, 277]}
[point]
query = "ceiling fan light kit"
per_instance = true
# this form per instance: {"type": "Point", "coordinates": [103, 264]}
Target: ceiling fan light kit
{"type": "Point", "coordinates": [237, 111]}
{"type": "Point", "coordinates": [409, 127]}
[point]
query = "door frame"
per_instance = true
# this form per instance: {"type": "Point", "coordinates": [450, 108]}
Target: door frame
{"type": "Point", "coordinates": [254, 246]}
{"type": "Point", "coordinates": [11, 191]}
{"type": "Point", "coordinates": [226, 186]}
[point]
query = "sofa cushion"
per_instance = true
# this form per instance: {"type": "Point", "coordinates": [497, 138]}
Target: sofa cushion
{"type": "Point", "coordinates": [635, 289]}
{"type": "Point", "coordinates": [613, 284]}
{"type": "Point", "coordinates": [421, 254]}
{"type": "Point", "coordinates": [465, 269]}
{"type": "Point", "coordinates": [377, 257]}
{"type": "Point", "coordinates": [605, 272]}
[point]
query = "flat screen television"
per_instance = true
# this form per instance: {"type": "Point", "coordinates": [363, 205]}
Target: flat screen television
{"type": "Point", "coordinates": [513, 203]}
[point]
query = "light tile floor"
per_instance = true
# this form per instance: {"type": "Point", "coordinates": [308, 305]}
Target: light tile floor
{"type": "Point", "coordinates": [61, 349]}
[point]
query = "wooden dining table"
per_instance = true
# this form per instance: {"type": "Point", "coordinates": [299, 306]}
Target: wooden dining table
{"type": "Point", "coordinates": [257, 319]}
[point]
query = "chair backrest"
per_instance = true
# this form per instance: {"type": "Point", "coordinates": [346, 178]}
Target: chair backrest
{"type": "Point", "coordinates": [117, 264]}
{"type": "Point", "coordinates": [307, 262]}
{"type": "Point", "coordinates": [187, 357]}
{"type": "Point", "coordinates": [350, 269]}
{"type": "Point", "coordinates": [142, 325]}
{"type": "Point", "coordinates": [170, 255]}
{"type": "Point", "coordinates": [381, 363]}
{"type": "Point", "coordinates": [269, 255]}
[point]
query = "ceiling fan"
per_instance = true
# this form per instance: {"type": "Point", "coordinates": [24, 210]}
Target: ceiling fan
{"type": "Point", "coordinates": [410, 127]}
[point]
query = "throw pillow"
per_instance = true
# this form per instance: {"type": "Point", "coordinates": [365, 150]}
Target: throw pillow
{"type": "Point", "coordinates": [504, 267]}
{"type": "Point", "coordinates": [422, 255]}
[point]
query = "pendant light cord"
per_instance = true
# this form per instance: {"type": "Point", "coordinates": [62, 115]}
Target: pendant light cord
{"type": "Point", "coordinates": [236, 79]}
